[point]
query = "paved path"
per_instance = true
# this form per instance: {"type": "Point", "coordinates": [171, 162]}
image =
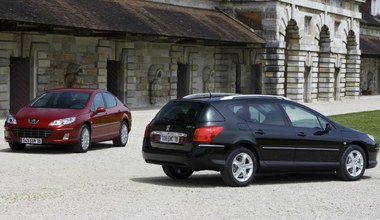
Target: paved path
{"type": "Point", "coordinates": [364, 103]}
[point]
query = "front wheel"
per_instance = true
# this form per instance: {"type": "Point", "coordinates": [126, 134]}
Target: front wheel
{"type": "Point", "coordinates": [177, 172]}
{"type": "Point", "coordinates": [17, 146]}
{"type": "Point", "coordinates": [122, 139]}
{"type": "Point", "coordinates": [83, 140]}
{"type": "Point", "coordinates": [352, 164]}
{"type": "Point", "coordinates": [241, 167]}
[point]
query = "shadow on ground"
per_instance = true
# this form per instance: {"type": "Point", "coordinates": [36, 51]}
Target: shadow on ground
{"type": "Point", "coordinates": [55, 149]}
{"type": "Point", "coordinates": [215, 180]}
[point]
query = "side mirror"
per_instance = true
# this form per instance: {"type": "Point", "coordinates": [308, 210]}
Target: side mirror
{"type": "Point", "coordinates": [328, 128]}
{"type": "Point", "coordinates": [99, 110]}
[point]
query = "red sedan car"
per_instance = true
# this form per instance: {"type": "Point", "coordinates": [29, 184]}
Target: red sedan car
{"type": "Point", "coordinates": [76, 117]}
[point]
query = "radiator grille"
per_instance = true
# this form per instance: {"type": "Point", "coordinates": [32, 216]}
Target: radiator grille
{"type": "Point", "coordinates": [31, 132]}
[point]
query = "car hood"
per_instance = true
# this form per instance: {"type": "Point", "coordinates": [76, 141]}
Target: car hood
{"type": "Point", "coordinates": [45, 115]}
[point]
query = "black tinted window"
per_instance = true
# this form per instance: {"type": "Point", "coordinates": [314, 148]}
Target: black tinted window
{"type": "Point", "coordinates": [181, 111]}
{"type": "Point", "coordinates": [265, 113]}
{"type": "Point", "coordinates": [110, 100]}
{"type": "Point", "coordinates": [211, 114]}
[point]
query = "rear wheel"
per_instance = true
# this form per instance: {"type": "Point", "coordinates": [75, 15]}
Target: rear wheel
{"type": "Point", "coordinates": [177, 172]}
{"type": "Point", "coordinates": [83, 140]}
{"type": "Point", "coordinates": [352, 163]}
{"type": "Point", "coordinates": [122, 139]}
{"type": "Point", "coordinates": [241, 167]}
{"type": "Point", "coordinates": [17, 146]}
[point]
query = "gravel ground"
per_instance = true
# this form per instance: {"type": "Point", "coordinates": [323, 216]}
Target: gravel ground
{"type": "Point", "coordinates": [50, 182]}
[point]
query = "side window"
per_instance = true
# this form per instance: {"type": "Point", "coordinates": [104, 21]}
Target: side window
{"type": "Point", "coordinates": [238, 110]}
{"type": "Point", "coordinates": [255, 115]}
{"type": "Point", "coordinates": [110, 100]}
{"type": "Point", "coordinates": [266, 113]}
{"type": "Point", "coordinates": [98, 102]}
{"type": "Point", "coordinates": [300, 117]}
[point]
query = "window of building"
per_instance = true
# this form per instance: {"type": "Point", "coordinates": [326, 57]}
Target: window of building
{"type": "Point", "coordinates": [375, 7]}
{"type": "Point", "coordinates": [307, 24]}
{"type": "Point", "coordinates": [336, 29]}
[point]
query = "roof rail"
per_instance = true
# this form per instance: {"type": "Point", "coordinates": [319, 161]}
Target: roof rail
{"type": "Point", "coordinates": [207, 95]}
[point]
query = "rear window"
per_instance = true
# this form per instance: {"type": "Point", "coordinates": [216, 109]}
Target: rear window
{"type": "Point", "coordinates": [180, 111]}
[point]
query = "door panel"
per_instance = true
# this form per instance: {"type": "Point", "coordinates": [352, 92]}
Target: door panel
{"type": "Point", "coordinates": [113, 77]}
{"type": "Point", "coordinates": [314, 145]}
{"type": "Point", "coordinates": [19, 83]}
{"type": "Point", "coordinates": [183, 80]}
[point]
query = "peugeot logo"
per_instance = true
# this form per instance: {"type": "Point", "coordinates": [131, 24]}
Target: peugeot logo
{"type": "Point", "coordinates": [167, 127]}
{"type": "Point", "coordinates": [33, 121]}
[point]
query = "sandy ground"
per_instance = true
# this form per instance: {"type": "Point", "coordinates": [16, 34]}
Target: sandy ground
{"type": "Point", "coordinates": [50, 182]}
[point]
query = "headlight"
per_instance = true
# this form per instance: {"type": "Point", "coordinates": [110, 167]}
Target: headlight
{"type": "Point", "coordinates": [371, 137]}
{"type": "Point", "coordinates": [63, 121]}
{"type": "Point", "coordinates": [11, 120]}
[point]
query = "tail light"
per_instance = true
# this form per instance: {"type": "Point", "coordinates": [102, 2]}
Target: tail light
{"type": "Point", "coordinates": [207, 134]}
{"type": "Point", "coordinates": [146, 134]}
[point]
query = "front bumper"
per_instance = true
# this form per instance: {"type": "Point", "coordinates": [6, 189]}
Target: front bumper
{"type": "Point", "coordinates": [56, 136]}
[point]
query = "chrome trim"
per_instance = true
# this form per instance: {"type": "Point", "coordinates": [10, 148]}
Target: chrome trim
{"type": "Point", "coordinates": [168, 132]}
{"type": "Point", "coordinates": [210, 145]}
{"type": "Point", "coordinates": [297, 148]}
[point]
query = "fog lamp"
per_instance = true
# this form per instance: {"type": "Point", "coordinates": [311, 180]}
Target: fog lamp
{"type": "Point", "coordinates": [66, 136]}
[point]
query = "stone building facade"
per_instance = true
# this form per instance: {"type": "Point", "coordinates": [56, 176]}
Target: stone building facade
{"type": "Point", "coordinates": [312, 47]}
{"type": "Point", "coordinates": [370, 45]}
{"type": "Point", "coordinates": [311, 54]}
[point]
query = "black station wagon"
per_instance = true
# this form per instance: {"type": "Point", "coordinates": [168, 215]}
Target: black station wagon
{"type": "Point", "coordinates": [241, 135]}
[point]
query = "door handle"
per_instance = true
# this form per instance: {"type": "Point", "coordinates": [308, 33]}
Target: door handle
{"type": "Point", "coordinates": [301, 134]}
{"type": "Point", "coordinates": [259, 131]}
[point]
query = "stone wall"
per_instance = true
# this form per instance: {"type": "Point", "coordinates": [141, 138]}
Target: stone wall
{"type": "Point", "coordinates": [148, 70]}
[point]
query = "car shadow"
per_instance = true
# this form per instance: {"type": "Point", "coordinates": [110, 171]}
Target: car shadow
{"type": "Point", "coordinates": [56, 149]}
{"type": "Point", "coordinates": [215, 180]}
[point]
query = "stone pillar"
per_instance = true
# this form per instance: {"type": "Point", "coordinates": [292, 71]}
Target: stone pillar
{"type": "Point", "coordinates": [274, 58]}
{"type": "Point", "coordinates": [353, 74]}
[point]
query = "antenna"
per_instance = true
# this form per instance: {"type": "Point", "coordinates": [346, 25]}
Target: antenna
{"type": "Point", "coordinates": [209, 92]}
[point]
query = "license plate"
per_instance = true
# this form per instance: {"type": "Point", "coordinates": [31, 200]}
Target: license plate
{"type": "Point", "coordinates": [31, 140]}
{"type": "Point", "coordinates": [169, 138]}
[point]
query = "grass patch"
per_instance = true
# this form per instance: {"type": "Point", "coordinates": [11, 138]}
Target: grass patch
{"type": "Point", "coordinates": [367, 122]}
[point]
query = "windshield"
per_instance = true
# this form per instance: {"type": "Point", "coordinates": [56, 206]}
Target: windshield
{"type": "Point", "coordinates": [69, 100]}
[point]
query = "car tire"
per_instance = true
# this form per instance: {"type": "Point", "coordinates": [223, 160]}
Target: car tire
{"type": "Point", "coordinates": [352, 164]}
{"type": "Point", "coordinates": [122, 139]}
{"type": "Point", "coordinates": [83, 140]}
{"type": "Point", "coordinates": [177, 172]}
{"type": "Point", "coordinates": [17, 146]}
{"type": "Point", "coordinates": [240, 168]}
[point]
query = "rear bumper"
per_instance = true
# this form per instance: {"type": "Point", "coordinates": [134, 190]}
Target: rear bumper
{"type": "Point", "coordinates": [207, 157]}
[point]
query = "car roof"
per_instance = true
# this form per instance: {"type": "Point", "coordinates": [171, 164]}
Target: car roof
{"type": "Point", "coordinates": [210, 97]}
{"type": "Point", "coordinates": [74, 90]}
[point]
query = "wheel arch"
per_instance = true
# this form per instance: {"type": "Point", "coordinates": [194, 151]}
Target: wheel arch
{"type": "Point", "coordinates": [252, 147]}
